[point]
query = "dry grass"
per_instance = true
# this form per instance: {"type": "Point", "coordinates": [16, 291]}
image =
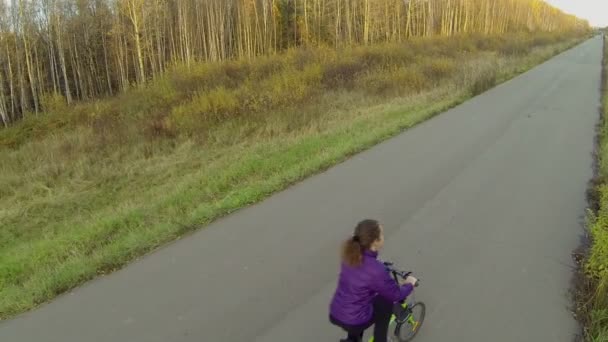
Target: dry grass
{"type": "Point", "coordinates": [594, 312]}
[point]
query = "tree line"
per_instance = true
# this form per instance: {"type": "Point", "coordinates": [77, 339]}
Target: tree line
{"type": "Point", "coordinates": [70, 50]}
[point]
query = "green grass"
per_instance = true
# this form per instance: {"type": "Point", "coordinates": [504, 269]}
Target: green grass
{"type": "Point", "coordinates": [595, 309]}
{"type": "Point", "coordinates": [86, 189]}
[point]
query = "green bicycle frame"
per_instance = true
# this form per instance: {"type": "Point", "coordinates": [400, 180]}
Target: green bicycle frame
{"type": "Point", "coordinates": [410, 319]}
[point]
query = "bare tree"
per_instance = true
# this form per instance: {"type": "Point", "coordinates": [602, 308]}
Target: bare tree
{"type": "Point", "coordinates": [83, 49]}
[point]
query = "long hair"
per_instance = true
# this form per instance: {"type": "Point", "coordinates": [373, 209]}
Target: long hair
{"type": "Point", "coordinates": [366, 233]}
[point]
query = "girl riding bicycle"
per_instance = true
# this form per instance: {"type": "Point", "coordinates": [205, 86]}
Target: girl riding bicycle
{"type": "Point", "coordinates": [366, 293]}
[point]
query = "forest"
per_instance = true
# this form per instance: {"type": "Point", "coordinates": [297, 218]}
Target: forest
{"type": "Point", "coordinates": [86, 49]}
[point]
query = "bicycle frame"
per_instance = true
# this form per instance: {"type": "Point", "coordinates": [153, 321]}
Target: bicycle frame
{"type": "Point", "coordinates": [410, 319]}
{"type": "Point", "coordinates": [405, 306]}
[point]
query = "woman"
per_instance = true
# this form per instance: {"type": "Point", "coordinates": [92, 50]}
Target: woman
{"type": "Point", "coordinates": [366, 292]}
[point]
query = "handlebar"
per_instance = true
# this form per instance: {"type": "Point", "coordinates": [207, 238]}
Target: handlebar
{"type": "Point", "coordinates": [398, 273]}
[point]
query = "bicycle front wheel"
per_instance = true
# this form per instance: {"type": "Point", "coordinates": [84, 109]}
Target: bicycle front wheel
{"type": "Point", "coordinates": [407, 330]}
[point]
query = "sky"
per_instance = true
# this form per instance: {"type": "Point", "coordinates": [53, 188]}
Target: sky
{"type": "Point", "coordinates": [596, 11]}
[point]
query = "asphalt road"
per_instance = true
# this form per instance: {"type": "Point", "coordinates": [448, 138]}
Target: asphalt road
{"type": "Point", "coordinates": [484, 203]}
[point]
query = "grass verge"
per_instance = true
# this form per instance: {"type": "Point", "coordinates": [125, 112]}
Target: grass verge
{"type": "Point", "coordinates": [86, 189]}
{"type": "Point", "coordinates": [593, 290]}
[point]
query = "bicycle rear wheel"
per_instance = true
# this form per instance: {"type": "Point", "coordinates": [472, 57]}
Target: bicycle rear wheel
{"type": "Point", "coordinates": [407, 330]}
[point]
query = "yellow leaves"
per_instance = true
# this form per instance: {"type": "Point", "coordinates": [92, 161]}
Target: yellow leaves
{"type": "Point", "coordinates": [130, 41]}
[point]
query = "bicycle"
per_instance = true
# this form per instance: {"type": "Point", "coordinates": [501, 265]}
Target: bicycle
{"type": "Point", "coordinates": [407, 317]}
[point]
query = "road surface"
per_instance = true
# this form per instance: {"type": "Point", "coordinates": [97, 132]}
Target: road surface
{"type": "Point", "coordinates": [484, 202]}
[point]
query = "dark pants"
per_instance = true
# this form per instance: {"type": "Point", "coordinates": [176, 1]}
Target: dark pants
{"type": "Point", "coordinates": [383, 311]}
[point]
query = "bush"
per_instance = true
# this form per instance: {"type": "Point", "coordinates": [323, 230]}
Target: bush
{"type": "Point", "coordinates": [342, 73]}
{"type": "Point", "coordinates": [264, 67]}
{"type": "Point", "coordinates": [189, 80]}
{"type": "Point", "coordinates": [206, 108]}
{"type": "Point", "coordinates": [514, 48]}
{"type": "Point", "coordinates": [292, 86]}
{"type": "Point", "coordinates": [597, 264]}
{"type": "Point", "coordinates": [479, 76]}
{"type": "Point", "coordinates": [54, 104]}
{"type": "Point", "coordinates": [436, 69]}
{"type": "Point", "coordinates": [142, 102]}
{"type": "Point", "coordinates": [484, 82]}
{"type": "Point", "coordinates": [395, 81]}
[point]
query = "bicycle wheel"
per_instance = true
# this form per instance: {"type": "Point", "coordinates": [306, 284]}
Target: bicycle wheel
{"type": "Point", "coordinates": [407, 330]}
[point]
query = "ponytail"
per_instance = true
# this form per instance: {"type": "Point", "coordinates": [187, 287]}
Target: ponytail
{"type": "Point", "coordinates": [352, 252]}
{"type": "Point", "coordinates": [366, 233]}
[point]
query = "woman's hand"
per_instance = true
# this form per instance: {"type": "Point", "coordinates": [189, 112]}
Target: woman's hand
{"type": "Point", "coordinates": [409, 280]}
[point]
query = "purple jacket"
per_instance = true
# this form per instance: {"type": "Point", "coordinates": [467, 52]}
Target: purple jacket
{"type": "Point", "coordinates": [357, 288]}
